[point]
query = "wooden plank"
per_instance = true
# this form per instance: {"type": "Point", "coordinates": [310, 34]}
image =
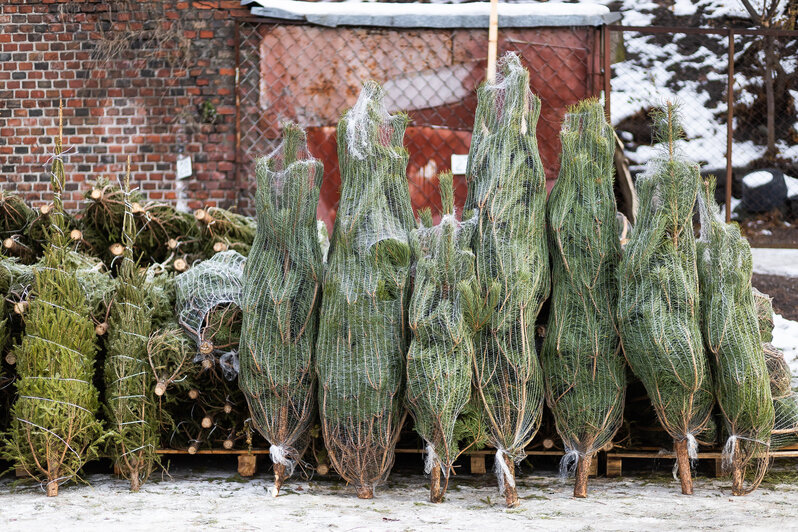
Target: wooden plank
{"type": "Point", "coordinates": [214, 451]}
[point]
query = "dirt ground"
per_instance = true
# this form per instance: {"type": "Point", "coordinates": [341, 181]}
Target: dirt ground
{"type": "Point", "coordinates": [201, 499]}
{"type": "Point", "coordinates": [783, 290]}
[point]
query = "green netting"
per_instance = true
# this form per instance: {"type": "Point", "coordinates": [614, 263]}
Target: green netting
{"type": "Point", "coordinates": [281, 300]}
{"type": "Point", "coordinates": [507, 195]}
{"type": "Point", "coordinates": [583, 367]}
{"type": "Point", "coordinates": [658, 304]}
{"type": "Point", "coordinates": [441, 352]}
{"type": "Point", "coordinates": [362, 333]}
{"type": "Point", "coordinates": [128, 380]}
{"type": "Point", "coordinates": [208, 308]}
{"type": "Point", "coordinates": [54, 429]}
{"type": "Point", "coordinates": [730, 325]}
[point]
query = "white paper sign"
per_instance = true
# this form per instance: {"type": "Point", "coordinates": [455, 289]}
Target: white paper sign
{"type": "Point", "coordinates": [459, 163]}
{"type": "Point", "coordinates": [183, 166]}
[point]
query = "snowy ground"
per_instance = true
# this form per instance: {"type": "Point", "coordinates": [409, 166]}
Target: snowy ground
{"type": "Point", "coordinates": [218, 500]}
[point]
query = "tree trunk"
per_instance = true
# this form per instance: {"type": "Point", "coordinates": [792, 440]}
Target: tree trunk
{"type": "Point", "coordinates": [683, 460]}
{"type": "Point", "coordinates": [365, 492]}
{"type": "Point", "coordinates": [436, 491]}
{"type": "Point", "coordinates": [582, 473]}
{"type": "Point", "coordinates": [737, 474]}
{"type": "Point", "coordinates": [135, 483]}
{"type": "Point", "coordinates": [510, 493]}
{"type": "Point", "coordinates": [279, 478]}
{"type": "Point", "coordinates": [52, 488]}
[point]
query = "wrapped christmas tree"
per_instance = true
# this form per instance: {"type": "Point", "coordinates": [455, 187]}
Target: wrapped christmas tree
{"type": "Point", "coordinates": [507, 195]}
{"type": "Point", "coordinates": [128, 381]}
{"type": "Point", "coordinates": [15, 217]}
{"type": "Point", "coordinates": [583, 366]}
{"type": "Point", "coordinates": [730, 325]}
{"type": "Point", "coordinates": [55, 430]}
{"type": "Point", "coordinates": [102, 220]}
{"type": "Point", "coordinates": [223, 230]}
{"type": "Point", "coordinates": [209, 309]}
{"type": "Point", "coordinates": [441, 352]}
{"type": "Point", "coordinates": [658, 304]}
{"type": "Point", "coordinates": [281, 300]}
{"type": "Point", "coordinates": [362, 333]}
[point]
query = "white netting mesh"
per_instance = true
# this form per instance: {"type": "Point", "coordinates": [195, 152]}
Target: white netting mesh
{"type": "Point", "coordinates": [362, 333]}
{"type": "Point", "coordinates": [583, 366]}
{"type": "Point", "coordinates": [442, 350]}
{"type": "Point", "coordinates": [209, 297]}
{"type": "Point", "coordinates": [282, 295]}
{"type": "Point", "coordinates": [658, 305]}
{"type": "Point", "coordinates": [507, 195]}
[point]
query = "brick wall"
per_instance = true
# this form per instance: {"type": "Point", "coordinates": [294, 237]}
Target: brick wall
{"type": "Point", "coordinates": [144, 99]}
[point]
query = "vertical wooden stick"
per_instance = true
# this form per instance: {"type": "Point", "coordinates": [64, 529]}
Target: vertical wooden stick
{"type": "Point", "coordinates": [729, 126]}
{"type": "Point", "coordinates": [493, 37]}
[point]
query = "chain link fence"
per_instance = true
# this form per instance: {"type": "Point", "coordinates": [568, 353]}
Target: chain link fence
{"type": "Point", "coordinates": [311, 74]}
{"type": "Point", "coordinates": [692, 67]}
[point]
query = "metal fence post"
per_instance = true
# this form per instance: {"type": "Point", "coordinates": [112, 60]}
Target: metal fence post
{"type": "Point", "coordinates": [729, 126]}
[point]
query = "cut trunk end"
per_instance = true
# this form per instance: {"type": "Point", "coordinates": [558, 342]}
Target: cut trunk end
{"type": "Point", "coordinates": [52, 488]}
{"type": "Point", "coordinates": [510, 493]}
{"type": "Point", "coordinates": [279, 479]}
{"type": "Point", "coordinates": [436, 490]}
{"type": "Point", "coordinates": [683, 461]}
{"type": "Point", "coordinates": [365, 492]}
{"type": "Point", "coordinates": [582, 473]}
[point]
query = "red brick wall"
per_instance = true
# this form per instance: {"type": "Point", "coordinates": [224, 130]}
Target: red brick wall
{"type": "Point", "coordinates": [138, 104]}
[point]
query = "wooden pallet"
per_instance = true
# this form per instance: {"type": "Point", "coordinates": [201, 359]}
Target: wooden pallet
{"type": "Point", "coordinates": [247, 458]}
{"type": "Point", "coordinates": [614, 458]}
{"type": "Point", "coordinates": [477, 458]}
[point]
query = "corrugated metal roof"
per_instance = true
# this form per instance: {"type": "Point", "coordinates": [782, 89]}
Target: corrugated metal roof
{"type": "Point", "coordinates": [414, 15]}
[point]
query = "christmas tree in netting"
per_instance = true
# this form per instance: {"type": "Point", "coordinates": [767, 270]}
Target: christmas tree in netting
{"type": "Point", "coordinates": [658, 304]}
{"type": "Point", "coordinates": [128, 380]}
{"type": "Point", "coordinates": [362, 332]}
{"type": "Point", "coordinates": [583, 366]}
{"type": "Point", "coordinates": [442, 350]}
{"type": "Point", "coordinates": [15, 217]}
{"type": "Point", "coordinates": [730, 324]}
{"type": "Point", "coordinates": [281, 300]}
{"type": "Point", "coordinates": [209, 309]}
{"type": "Point", "coordinates": [507, 194]}
{"type": "Point", "coordinates": [785, 400]}
{"type": "Point", "coordinates": [54, 429]}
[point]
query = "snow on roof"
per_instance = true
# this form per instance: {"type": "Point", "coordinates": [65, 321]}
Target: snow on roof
{"type": "Point", "coordinates": [414, 15]}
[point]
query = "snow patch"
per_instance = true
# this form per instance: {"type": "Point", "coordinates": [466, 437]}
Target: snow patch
{"type": "Point", "coordinates": [792, 186]}
{"type": "Point", "coordinates": [758, 179]}
{"type": "Point", "coordinates": [785, 337]}
{"type": "Point", "coordinates": [775, 261]}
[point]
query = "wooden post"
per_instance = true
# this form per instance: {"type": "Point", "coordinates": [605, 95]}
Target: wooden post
{"type": "Point", "coordinates": [493, 38]}
{"type": "Point", "coordinates": [683, 460]}
{"type": "Point", "coordinates": [614, 466]}
{"type": "Point", "coordinates": [478, 464]}
{"type": "Point", "coordinates": [247, 465]}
